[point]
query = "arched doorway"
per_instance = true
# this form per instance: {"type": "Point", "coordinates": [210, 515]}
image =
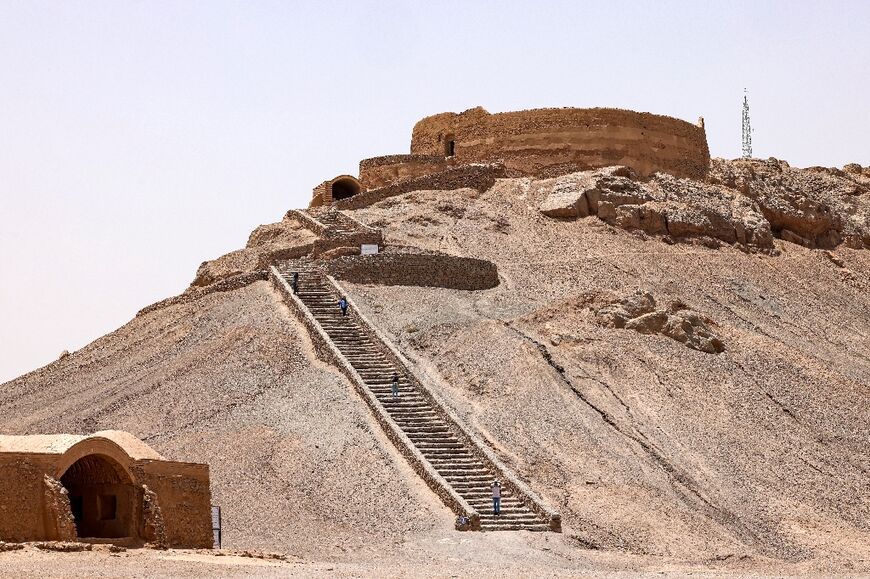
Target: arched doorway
{"type": "Point", "coordinates": [449, 145]}
{"type": "Point", "coordinates": [344, 187]}
{"type": "Point", "coordinates": [102, 498]}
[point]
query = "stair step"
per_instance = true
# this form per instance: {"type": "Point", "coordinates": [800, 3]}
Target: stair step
{"type": "Point", "coordinates": [412, 411]}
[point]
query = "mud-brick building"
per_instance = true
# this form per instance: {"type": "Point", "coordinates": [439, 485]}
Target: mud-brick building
{"type": "Point", "coordinates": [107, 486]}
{"type": "Point", "coordinates": [537, 143]}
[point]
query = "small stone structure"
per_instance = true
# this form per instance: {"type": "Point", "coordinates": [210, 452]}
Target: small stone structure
{"type": "Point", "coordinates": [538, 143]}
{"type": "Point", "coordinates": [336, 189]}
{"type": "Point", "coordinates": [108, 486]}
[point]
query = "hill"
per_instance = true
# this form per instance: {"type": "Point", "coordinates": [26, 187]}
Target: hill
{"type": "Point", "coordinates": [679, 393]}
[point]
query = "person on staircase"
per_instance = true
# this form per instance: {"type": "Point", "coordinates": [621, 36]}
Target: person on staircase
{"type": "Point", "coordinates": [496, 497]}
{"type": "Point", "coordinates": [295, 283]}
{"type": "Point", "coordinates": [395, 385]}
{"type": "Point", "coordinates": [342, 303]}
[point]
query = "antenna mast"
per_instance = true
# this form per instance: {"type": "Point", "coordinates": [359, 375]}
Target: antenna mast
{"type": "Point", "coordinates": [747, 128]}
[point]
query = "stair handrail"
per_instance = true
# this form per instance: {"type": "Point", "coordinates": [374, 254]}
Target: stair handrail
{"type": "Point", "coordinates": [423, 467]}
{"type": "Point", "coordinates": [308, 221]}
{"type": "Point", "coordinates": [355, 222]}
{"type": "Point", "coordinates": [525, 493]}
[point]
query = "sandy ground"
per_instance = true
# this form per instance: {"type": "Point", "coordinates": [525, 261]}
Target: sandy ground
{"type": "Point", "coordinates": [440, 554]}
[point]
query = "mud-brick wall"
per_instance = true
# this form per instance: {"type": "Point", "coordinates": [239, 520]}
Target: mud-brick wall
{"type": "Point", "coordinates": [416, 269]}
{"type": "Point", "coordinates": [184, 496]}
{"type": "Point", "coordinates": [535, 142]}
{"type": "Point", "coordinates": [22, 512]}
{"type": "Point", "coordinates": [381, 171]}
{"type": "Point", "coordinates": [480, 177]}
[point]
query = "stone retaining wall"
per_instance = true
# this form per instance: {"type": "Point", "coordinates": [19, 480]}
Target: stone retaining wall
{"type": "Point", "coordinates": [478, 176]}
{"type": "Point", "coordinates": [415, 268]}
{"type": "Point", "coordinates": [382, 171]}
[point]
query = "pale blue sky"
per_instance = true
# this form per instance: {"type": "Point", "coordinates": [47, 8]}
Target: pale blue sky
{"type": "Point", "coordinates": [138, 139]}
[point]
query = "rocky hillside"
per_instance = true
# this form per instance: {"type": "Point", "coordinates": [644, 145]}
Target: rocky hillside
{"type": "Point", "coordinates": [682, 368]}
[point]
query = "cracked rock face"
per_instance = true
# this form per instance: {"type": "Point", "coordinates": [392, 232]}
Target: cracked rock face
{"type": "Point", "coordinates": [664, 205]}
{"type": "Point", "coordinates": [638, 312]}
{"type": "Point", "coordinates": [816, 207]}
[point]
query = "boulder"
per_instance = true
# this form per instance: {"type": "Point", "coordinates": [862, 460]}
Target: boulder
{"type": "Point", "coordinates": [638, 312]}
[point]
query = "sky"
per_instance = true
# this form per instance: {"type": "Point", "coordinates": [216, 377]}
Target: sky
{"type": "Point", "coordinates": [138, 139]}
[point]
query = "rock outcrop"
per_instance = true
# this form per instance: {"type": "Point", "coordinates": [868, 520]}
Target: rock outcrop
{"type": "Point", "coordinates": [638, 312]}
{"type": "Point", "coordinates": [267, 244]}
{"type": "Point", "coordinates": [816, 207]}
{"type": "Point", "coordinates": [663, 205]}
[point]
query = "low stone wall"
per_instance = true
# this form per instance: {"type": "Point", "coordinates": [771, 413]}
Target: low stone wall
{"type": "Point", "coordinates": [382, 171]}
{"type": "Point", "coordinates": [405, 266]}
{"type": "Point", "coordinates": [329, 239]}
{"type": "Point", "coordinates": [480, 177]}
{"type": "Point", "coordinates": [306, 221]}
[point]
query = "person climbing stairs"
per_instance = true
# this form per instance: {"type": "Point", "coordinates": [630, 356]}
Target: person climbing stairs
{"type": "Point", "coordinates": [413, 412]}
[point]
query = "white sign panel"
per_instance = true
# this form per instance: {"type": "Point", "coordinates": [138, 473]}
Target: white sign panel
{"type": "Point", "coordinates": [216, 525]}
{"type": "Point", "coordinates": [368, 248]}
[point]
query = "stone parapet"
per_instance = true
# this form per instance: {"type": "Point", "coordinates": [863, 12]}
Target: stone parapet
{"type": "Point", "coordinates": [379, 172]}
{"type": "Point", "coordinates": [477, 176]}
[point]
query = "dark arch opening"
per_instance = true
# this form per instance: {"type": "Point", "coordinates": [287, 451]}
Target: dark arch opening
{"type": "Point", "coordinates": [102, 498]}
{"type": "Point", "coordinates": [449, 146]}
{"type": "Point", "coordinates": [344, 188]}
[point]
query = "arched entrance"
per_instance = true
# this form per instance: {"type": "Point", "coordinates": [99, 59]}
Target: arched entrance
{"type": "Point", "coordinates": [102, 497]}
{"type": "Point", "coordinates": [344, 187]}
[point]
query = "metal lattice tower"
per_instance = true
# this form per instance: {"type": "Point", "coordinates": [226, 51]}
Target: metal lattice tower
{"type": "Point", "coordinates": [747, 128]}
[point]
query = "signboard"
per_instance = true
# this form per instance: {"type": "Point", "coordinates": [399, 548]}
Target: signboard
{"type": "Point", "coordinates": [368, 249]}
{"type": "Point", "coordinates": [216, 525]}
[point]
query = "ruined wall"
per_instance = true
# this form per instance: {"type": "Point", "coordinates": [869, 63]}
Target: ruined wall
{"type": "Point", "coordinates": [414, 267]}
{"type": "Point", "coordinates": [548, 142]}
{"type": "Point", "coordinates": [57, 512]}
{"type": "Point", "coordinates": [480, 177]}
{"type": "Point", "coordinates": [184, 498]}
{"type": "Point", "coordinates": [22, 494]}
{"type": "Point", "coordinates": [382, 171]}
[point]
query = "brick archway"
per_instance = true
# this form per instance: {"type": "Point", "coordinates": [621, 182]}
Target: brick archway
{"type": "Point", "coordinates": [104, 500]}
{"type": "Point", "coordinates": [344, 187]}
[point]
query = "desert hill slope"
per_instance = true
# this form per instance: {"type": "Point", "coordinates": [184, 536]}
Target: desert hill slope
{"type": "Point", "coordinates": [576, 370]}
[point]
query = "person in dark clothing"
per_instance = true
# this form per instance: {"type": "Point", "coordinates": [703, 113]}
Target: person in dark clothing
{"type": "Point", "coordinates": [342, 303]}
{"type": "Point", "coordinates": [295, 283]}
{"type": "Point", "coordinates": [395, 385]}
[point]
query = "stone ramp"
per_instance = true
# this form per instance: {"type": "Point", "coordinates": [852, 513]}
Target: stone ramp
{"type": "Point", "coordinates": [441, 443]}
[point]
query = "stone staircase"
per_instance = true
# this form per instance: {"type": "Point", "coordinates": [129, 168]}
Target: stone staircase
{"type": "Point", "coordinates": [440, 441]}
{"type": "Point", "coordinates": [335, 229]}
{"type": "Point", "coordinates": [337, 224]}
